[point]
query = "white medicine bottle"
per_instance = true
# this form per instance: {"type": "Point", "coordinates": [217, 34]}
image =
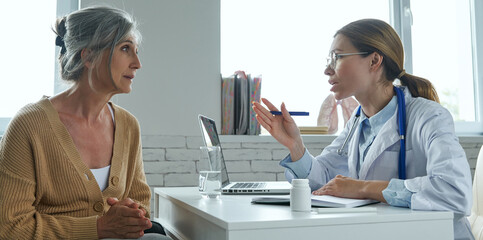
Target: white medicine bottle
{"type": "Point", "coordinates": [300, 196]}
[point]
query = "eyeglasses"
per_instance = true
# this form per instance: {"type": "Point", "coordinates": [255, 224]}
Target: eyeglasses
{"type": "Point", "coordinates": [333, 57]}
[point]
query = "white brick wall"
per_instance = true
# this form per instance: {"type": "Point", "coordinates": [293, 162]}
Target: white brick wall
{"type": "Point", "coordinates": [150, 154]}
{"type": "Point", "coordinates": [172, 160]}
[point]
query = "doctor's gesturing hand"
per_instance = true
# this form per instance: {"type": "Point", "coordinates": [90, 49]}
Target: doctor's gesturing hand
{"type": "Point", "coordinates": [281, 127]}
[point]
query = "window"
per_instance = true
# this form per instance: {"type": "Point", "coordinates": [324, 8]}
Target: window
{"type": "Point", "coordinates": [29, 52]}
{"type": "Point", "coordinates": [27, 44]}
{"type": "Point", "coordinates": [443, 47]}
{"type": "Point", "coordinates": [448, 68]}
{"type": "Point", "coordinates": [287, 42]}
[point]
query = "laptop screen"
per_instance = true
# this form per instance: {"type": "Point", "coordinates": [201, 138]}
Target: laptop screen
{"type": "Point", "coordinates": [210, 137]}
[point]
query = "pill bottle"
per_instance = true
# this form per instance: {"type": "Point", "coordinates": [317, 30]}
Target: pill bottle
{"type": "Point", "coordinates": [300, 195]}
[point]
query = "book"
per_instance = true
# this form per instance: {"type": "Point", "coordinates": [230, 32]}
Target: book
{"type": "Point", "coordinates": [241, 103]}
{"type": "Point", "coordinates": [314, 130]}
{"type": "Point", "coordinates": [255, 87]}
{"type": "Point", "coordinates": [318, 201]}
{"type": "Point", "coordinates": [228, 105]}
{"type": "Point", "coordinates": [238, 91]}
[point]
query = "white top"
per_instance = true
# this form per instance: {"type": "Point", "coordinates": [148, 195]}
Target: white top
{"type": "Point", "coordinates": [102, 174]}
{"type": "Point", "coordinates": [112, 113]}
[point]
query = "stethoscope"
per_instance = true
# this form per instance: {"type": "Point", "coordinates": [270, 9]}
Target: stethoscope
{"type": "Point", "coordinates": [401, 116]}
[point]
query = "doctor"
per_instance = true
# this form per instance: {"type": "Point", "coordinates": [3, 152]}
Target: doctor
{"type": "Point", "coordinates": [399, 147]}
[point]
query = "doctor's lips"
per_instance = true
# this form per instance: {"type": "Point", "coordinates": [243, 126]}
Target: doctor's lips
{"type": "Point", "coordinates": [129, 76]}
{"type": "Point", "coordinates": [333, 84]}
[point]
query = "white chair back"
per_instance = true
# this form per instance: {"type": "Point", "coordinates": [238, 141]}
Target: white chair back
{"type": "Point", "coordinates": [476, 217]}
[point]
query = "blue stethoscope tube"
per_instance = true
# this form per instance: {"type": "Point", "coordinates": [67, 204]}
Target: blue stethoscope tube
{"type": "Point", "coordinates": [401, 120]}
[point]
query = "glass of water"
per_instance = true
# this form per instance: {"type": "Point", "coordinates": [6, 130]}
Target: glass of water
{"type": "Point", "coordinates": [209, 168]}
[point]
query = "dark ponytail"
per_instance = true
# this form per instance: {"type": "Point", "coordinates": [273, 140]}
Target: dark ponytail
{"type": "Point", "coordinates": [419, 87]}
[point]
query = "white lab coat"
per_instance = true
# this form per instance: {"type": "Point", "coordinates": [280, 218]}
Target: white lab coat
{"type": "Point", "coordinates": [437, 170]}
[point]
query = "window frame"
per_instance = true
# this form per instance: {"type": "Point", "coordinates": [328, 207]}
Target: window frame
{"type": "Point", "coordinates": [476, 15]}
{"type": "Point", "coordinates": [401, 20]}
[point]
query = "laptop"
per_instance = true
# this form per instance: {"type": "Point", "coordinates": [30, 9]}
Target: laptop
{"type": "Point", "coordinates": [210, 138]}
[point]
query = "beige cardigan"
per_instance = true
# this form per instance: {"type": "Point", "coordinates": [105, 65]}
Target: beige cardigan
{"type": "Point", "coordinates": [47, 192]}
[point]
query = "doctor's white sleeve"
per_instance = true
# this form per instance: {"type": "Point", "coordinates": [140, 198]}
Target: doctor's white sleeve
{"type": "Point", "coordinates": [447, 185]}
{"type": "Point", "coordinates": [396, 194]}
{"type": "Point", "coordinates": [298, 169]}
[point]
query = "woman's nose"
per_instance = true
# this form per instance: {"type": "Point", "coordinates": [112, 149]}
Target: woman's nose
{"type": "Point", "coordinates": [328, 71]}
{"type": "Point", "coordinates": [137, 63]}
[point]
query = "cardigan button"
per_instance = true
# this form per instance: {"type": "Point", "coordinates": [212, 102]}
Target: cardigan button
{"type": "Point", "coordinates": [114, 180]}
{"type": "Point", "coordinates": [98, 206]}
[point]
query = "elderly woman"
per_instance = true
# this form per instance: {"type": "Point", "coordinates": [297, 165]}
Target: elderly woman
{"type": "Point", "coordinates": [71, 165]}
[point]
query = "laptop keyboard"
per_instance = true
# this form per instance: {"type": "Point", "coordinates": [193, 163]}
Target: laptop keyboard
{"type": "Point", "coordinates": [250, 185]}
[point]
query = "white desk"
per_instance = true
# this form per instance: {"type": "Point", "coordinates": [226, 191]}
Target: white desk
{"type": "Point", "coordinates": [186, 215]}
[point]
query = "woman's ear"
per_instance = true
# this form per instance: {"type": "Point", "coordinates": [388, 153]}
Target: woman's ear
{"type": "Point", "coordinates": [84, 53]}
{"type": "Point", "coordinates": [376, 61]}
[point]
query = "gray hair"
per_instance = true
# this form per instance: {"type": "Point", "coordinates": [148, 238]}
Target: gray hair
{"type": "Point", "coordinates": [96, 29]}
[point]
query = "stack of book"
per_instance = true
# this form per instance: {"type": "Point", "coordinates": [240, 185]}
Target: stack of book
{"type": "Point", "coordinates": [238, 92]}
{"type": "Point", "coordinates": [314, 130]}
